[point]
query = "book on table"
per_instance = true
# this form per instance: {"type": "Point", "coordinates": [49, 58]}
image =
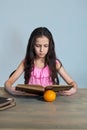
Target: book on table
{"type": "Point", "coordinates": [6, 102]}
{"type": "Point", "coordinates": [38, 89]}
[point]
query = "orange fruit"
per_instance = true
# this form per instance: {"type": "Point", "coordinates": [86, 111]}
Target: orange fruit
{"type": "Point", "coordinates": [49, 95]}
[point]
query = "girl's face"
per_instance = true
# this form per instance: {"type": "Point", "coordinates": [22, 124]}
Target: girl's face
{"type": "Point", "coordinates": [41, 46]}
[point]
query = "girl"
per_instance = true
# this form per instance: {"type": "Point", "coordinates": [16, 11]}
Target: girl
{"type": "Point", "coordinates": [40, 65]}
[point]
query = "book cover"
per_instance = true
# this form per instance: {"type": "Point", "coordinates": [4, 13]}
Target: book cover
{"type": "Point", "coordinates": [38, 89]}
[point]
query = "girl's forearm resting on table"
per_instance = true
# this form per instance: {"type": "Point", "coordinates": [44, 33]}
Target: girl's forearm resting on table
{"type": "Point", "coordinates": [74, 84]}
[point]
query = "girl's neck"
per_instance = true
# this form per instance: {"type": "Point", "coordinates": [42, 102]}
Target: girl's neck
{"type": "Point", "coordinates": [39, 62]}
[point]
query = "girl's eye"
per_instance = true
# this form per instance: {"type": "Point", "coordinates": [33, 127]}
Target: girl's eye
{"type": "Point", "coordinates": [45, 45]}
{"type": "Point", "coordinates": [37, 45]}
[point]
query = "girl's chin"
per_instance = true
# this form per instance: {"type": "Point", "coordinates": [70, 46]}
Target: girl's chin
{"type": "Point", "coordinates": [41, 56]}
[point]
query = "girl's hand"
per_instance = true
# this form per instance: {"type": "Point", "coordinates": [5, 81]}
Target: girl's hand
{"type": "Point", "coordinates": [69, 92]}
{"type": "Point", "coordinates": [13, 91]}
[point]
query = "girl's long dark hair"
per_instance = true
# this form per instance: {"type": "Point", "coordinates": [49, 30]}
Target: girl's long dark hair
{"type": "Point", "coordinates": [50, 58]}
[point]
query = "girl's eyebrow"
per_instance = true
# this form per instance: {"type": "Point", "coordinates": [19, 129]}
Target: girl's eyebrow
{"type": "Point", "coordinates": [37, 43]}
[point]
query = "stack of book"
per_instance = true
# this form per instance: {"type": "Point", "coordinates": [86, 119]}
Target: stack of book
{"type": "Point", "coordinates": [6, 102]}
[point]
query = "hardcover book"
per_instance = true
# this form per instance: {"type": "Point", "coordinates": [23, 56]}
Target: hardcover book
{"type": "Point", "coordinates": [6, 102]}
{"type": "Point", "coordinates": [38, 89]}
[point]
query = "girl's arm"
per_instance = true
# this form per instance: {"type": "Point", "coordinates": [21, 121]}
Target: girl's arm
{"type": "Point", "coordinates": [67, 79]}
{"type": "Point", "coordinates": [8, 84]}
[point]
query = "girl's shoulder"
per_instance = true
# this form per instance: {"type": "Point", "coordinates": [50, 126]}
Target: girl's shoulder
{"type": "Point", "coordinates": [58, 61]}
{"type": "Point", "coordinates": [58, 64]}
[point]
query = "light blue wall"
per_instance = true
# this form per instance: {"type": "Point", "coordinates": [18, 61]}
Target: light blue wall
{"type": "Point", "coordinates": [66, 19]}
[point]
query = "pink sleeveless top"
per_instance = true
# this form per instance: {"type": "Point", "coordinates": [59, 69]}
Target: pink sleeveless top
{"type": "Point", "coordinates": [41, 76]}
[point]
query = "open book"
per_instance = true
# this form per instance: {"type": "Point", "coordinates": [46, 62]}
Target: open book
{"type": "Point", "coordinates": [38, 89]}
{"type": "Point", "coordinates": [6, 103]}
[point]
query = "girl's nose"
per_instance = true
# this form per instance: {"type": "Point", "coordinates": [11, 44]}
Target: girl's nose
{"type": "Point", "coordinates": [41, 49]}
